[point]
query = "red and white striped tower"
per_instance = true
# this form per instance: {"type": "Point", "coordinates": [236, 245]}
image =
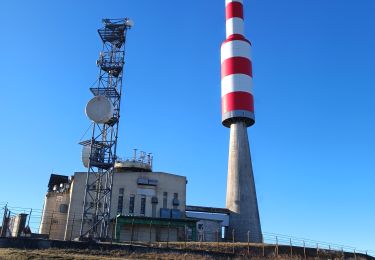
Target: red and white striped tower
{"type": "Point", "coordinates": [238, 114]}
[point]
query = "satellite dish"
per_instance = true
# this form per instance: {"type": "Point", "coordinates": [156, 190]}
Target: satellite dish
{"type": "Point", "coordinates": [99, 109]}
{"type": "Point", "coordinates": [129, 23]}
{"type": "Point", "coordinates": [86, 155]}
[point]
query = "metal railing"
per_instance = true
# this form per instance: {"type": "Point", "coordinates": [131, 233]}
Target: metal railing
{"type": "Point", "coordinates": [273, 243]}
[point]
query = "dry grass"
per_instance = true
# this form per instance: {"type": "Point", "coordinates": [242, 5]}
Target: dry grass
{"type": "Point", "coordinates": [63, 254]}
{"type": "Point", "coordinates": [87, 254]}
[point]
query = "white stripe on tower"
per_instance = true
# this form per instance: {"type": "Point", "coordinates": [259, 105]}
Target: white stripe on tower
{"type": "Point", "coordinates": [236, 48]}
{"type": "Point", "coordinates": [236, 82]}
{"type": "Point", "coordinates": [234, 26]}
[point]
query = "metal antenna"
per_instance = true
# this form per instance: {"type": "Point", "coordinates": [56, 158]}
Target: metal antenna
{"type": "Point", "coordinates": [103, 143]}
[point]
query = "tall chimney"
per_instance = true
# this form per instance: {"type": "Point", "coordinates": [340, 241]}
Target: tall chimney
{"type": "Point", "coordinates": [238, 114]}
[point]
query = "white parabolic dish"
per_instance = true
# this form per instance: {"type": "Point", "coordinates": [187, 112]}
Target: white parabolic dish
{"type": "Point", "coordinates": [86, 155]}
{"type": "Point", "coordinates": [99, 109]}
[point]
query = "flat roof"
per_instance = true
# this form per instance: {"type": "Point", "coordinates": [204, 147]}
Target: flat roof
{"type": "Point", "coordinates": [156, 221]}
{"type": "Point", "coordinates": [207, 209]}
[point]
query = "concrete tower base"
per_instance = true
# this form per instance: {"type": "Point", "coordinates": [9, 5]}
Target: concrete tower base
{"type": "Point", "coordinates": [241, 195]}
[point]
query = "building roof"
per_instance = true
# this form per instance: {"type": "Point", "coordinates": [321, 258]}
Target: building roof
{"type": "Point", "coordinates": [207, 209]}
{"type": "Point", "coordinates": [56, 179]}
{"type": "Point", "coordinates": [140, 220]}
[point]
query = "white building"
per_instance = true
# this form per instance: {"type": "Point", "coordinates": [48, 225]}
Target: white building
{"type": "Point", "coordinates": [138, 199]}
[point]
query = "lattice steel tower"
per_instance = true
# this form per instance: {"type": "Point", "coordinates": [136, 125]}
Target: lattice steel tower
{"type": "Point", "coordinates": [99, 153]}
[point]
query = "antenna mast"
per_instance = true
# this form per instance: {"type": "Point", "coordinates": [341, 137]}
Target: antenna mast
{"type": "Point", "coordinates": [104, 111]}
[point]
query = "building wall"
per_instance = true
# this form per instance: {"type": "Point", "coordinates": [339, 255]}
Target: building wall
{"type": "Point", "coordinates": [209, 230]}
{"type": "Point", "coordinates": [144, 233]}
{"type": "Point", "coordinates": [77, 191]}
{"type": "Point", "coordinates": [54, 217]}
{"type": "Point", "coordinates": [68, 225]}
{"type": "Point", "coordinates": [172, 184]}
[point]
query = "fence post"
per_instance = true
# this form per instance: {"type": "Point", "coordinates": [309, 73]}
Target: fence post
{"type": "Point", "coordinates": [71, 230]}
{"type": "Point", "coordinates": [248, 242]}
{"type": "Point", "coordinates": [150, 231]}
{"type": "Point", "coordinates": [113, 230]}
{"type": "Point", "coordinates": [169, 224]}
{"type": "Point", "coordinates": [263, 246]}
{"type": "Point", "coordinates": [116, 224]}
{"type": "Point", "coordinates": [186, 236]}
{"type": "Point", "coordinates": [233, 241]}
{"type": "Point", "coordinates": [28, 222]}
{"type": "Point", "coordinates": [217, 238]}
{"type": "Point", "coordinates": [4, 225]}
{"type": "Point", "coordinates": [304, 249]}
{"type": "Point", "coordinates": [50, 226]}
{"type": "Point", "coordinates": [291, 248]}
{"type": "Point", "coordinates": [132, 232]}
{"type": "Point", "coordinates": [277, 247]}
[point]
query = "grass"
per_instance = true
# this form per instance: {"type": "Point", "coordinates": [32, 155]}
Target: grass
{"type": "Point", "coordinates": [195, 251]}
{"type": "Point", "coordinates": [70, 254]}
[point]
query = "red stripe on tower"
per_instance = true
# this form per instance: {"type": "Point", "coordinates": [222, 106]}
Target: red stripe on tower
{"type": "Point", "coordinates": [237, 101]}
{"type": "Point", "coordinates": [236, 65]}
{"type": "Point", "coordinates": [234, 9]}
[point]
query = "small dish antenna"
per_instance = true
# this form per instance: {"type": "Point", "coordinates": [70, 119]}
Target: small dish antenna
{"type": "Point", "coordinates": [99, 109]}
{"type": "Point", "coordinates": [86, 149]}
{"type": "Point", "coordinates": [129, 22]}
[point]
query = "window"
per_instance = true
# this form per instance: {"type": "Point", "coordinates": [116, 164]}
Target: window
{"type": "Point", "coordinates": [131, 204]}
{"type": "Point", "coordinates": [153, 210]}
{"type": "Point", "coordinates": [120, 203]}
{"type": "Point", "coordinates": [175, 201]}
{"type": "Point", "coordinates": [143, 205]}
{"type": "Point", "coordinates": [165, 199]}
{"type": "Point", "coordinates": [63, 208]}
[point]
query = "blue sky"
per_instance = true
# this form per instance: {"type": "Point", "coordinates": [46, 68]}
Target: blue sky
{"type": "Point", "coordinates": [313, 144]}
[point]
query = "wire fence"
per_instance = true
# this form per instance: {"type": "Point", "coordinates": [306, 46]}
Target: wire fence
{"type": "Point", "coordinates": [57, 226]}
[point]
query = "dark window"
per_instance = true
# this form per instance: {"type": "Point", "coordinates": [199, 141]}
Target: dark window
{"type": "Point", "coordinates": [153, 210]}
{"type": "Point", "coordinates": [63, 208]}
{"type": "Point", "coordinates": [131, 204]}
{"type": "Point", "coordinates": [120, 203]}
{"type": "Point", "coordinates": [121, 191]}
{"type": "Point", "coordinates": [165, 199]}
{"type": "Point", "coordinates": [143, 205]}
{"type": "Point", "coordinates": [175, 201]}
